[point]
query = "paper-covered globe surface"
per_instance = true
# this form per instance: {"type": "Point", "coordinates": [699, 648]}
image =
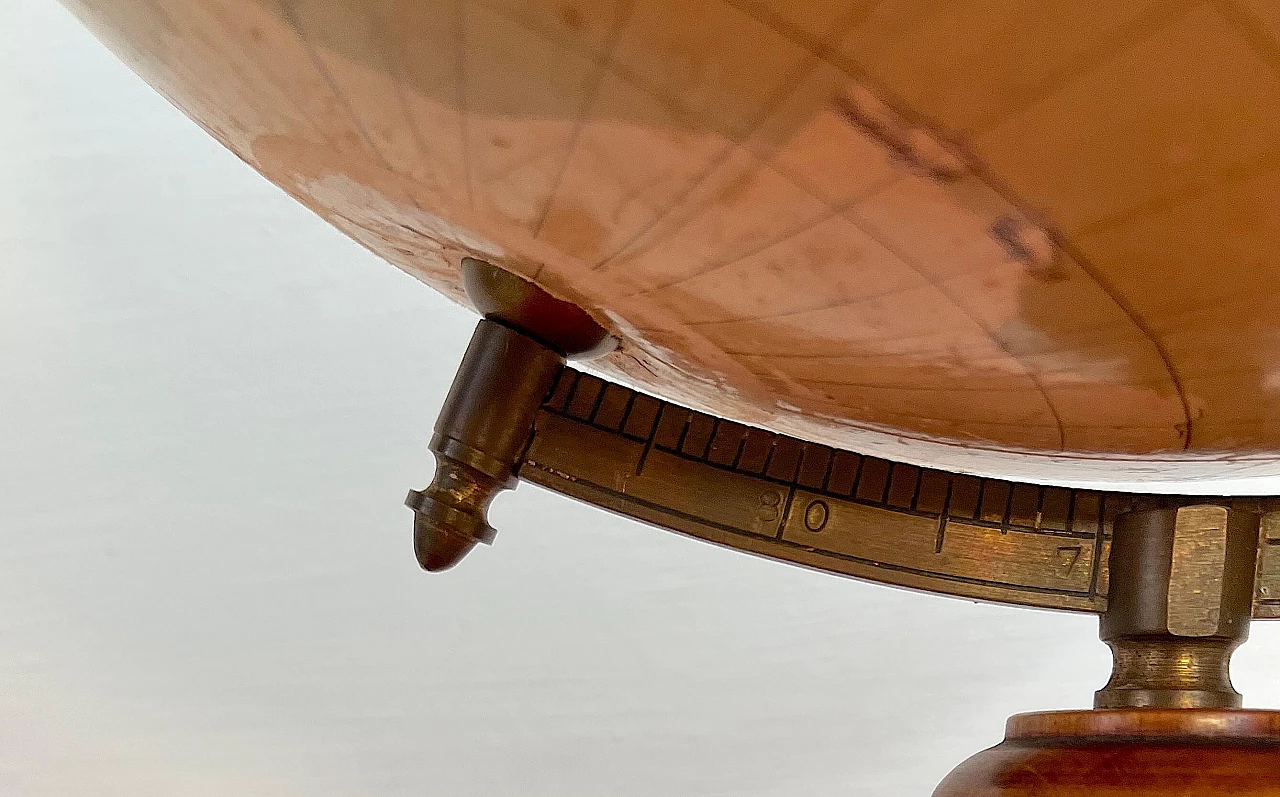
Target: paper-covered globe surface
{"type": "Point", "coordinates": [1036, 238]}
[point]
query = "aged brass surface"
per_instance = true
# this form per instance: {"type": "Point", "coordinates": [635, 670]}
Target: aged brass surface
{"type": "Point", "coordinates": [515, 410]}
{"type": "Point", "coordinates": [478, 441]}
{"type": "Point", "coordinates": [1180, 598]}
{"type": "Point", "coordinates": [1169, 721]}
{"type": "Point", "coordinates": [487, 418]}
{"type": "Point", "coordinates": [1029, 239]}
{"type": "Point", "coordinates": [519, 304]}
{"type": "Point", "coordinates": [832, 510]}
{"type": "Point", "coordinates": [1198, 569]}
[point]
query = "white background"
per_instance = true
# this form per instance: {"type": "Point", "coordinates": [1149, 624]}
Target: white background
{"type": "Point", "coordinates": [211, 407]}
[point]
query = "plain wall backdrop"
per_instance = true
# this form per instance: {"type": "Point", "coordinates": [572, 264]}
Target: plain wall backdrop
{"type": "Point", "coordinates": [211, 407]}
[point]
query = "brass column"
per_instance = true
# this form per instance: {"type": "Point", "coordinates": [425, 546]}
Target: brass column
{"type": "Point", "coordinates": [1178, 605]}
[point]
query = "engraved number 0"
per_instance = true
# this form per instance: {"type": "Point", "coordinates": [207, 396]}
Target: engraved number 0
{"type": "Point", "coordinates": [815, 517]}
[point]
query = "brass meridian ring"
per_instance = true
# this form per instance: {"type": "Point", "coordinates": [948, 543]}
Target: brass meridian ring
{"type": "Point", "coordinates": [841, 512]}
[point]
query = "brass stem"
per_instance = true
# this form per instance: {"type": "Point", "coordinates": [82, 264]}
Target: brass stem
{"type": "Point", "coordinates": [1180, 598]}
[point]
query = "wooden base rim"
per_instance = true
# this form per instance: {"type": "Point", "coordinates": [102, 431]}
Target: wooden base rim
{"type": "Point", "coordinates": [1146, 723]}
{"type": "Point", "coordinates": [1138, 752]}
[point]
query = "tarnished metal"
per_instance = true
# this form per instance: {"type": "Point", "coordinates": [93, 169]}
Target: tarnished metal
{"type": "Point", "coordinates": [838, 511]}
{"type": "Point", "coordinates": [1180, 599]}
{"type": "Point", "coordinates": [1266, 596]}
{"type": "Point", "coordinates": [1197, 572]}
{"type": "Point", "coordinates": [479, 440]}
{"type": "Point", "coordinates": [488, 416]}
{"type": "Point", "coordinates": [773, 495]}
{"type": "Point", "coordinates": [517, 303]}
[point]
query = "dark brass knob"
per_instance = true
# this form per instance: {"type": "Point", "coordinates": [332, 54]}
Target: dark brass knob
{"type": "Point", "coordinates": [487, 419]}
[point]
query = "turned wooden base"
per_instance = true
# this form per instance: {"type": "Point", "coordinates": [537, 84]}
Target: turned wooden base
{"type": "Point", "coordinates": [1129, 752]}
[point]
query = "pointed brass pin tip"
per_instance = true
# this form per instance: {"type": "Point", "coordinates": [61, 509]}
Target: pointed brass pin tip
{"type": "Point", "coordinates": [450, 517]}
{"type": "Point", "coordinates": [438, 547]}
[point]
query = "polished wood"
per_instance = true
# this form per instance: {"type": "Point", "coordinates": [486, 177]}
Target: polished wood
{"type": "Point", "coordinates": [1127, 753]}
{"type": "Point", "coordinates": [1033, 238]}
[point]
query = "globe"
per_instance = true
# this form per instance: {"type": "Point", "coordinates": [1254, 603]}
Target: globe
{"type": "Point", "coordinates": [1033, 238]}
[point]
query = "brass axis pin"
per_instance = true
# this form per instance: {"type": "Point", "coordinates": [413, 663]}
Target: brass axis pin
{"type": "Point", "coordinates": [487, 419]}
